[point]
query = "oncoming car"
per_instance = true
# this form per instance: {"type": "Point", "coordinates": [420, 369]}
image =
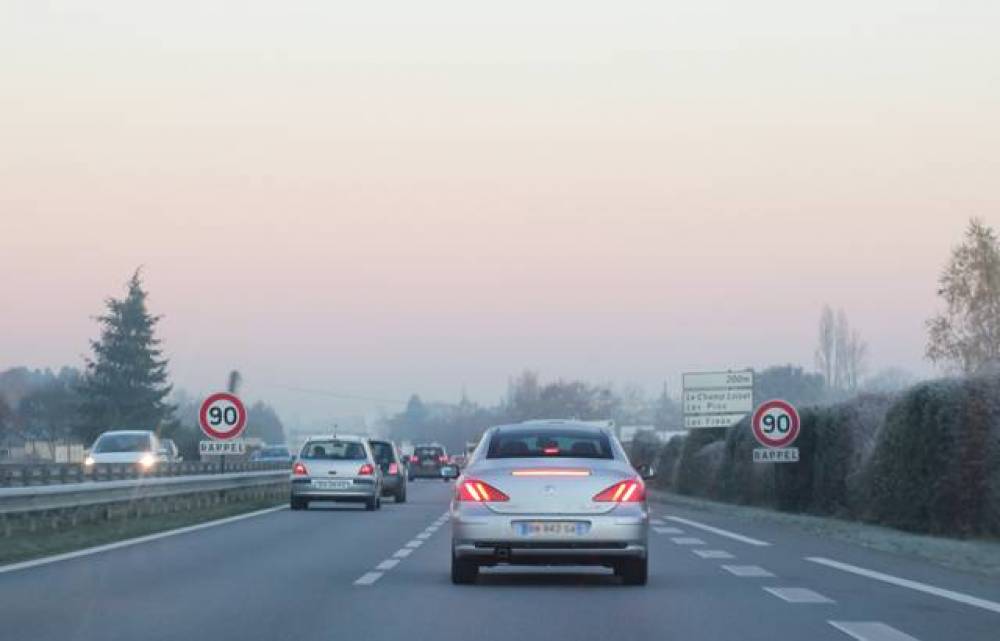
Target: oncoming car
{"type": "Point", "coordinates": [140, 448]}
{"type": "Point", "coordinates": [336, 468]}
{"type": "Point", "coordinates": [550, 493]}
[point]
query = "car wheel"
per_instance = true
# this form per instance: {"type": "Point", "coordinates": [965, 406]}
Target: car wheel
{"type": "Point", "coordinates": [635, 571]}
{"type": "Point", "coordinates": [371, 504]}
{"type": "Point", "coordinates": [401, 496]}
{"type": "Point", "coordinates": [298, 504]}
{"type": "Point", "coordinates": [463, 571]}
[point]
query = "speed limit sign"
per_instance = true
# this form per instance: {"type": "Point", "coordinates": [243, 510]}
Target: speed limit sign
{"type": "Point", "coordinates": [222, 416]}
{"type": "Point", "coordinates": [776, 426]}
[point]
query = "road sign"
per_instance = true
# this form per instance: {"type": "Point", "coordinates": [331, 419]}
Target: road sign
{"type": "Point", "coordinates": [776, 455]}
{"type": "Point", "coordinates": [221, 448]}
{"type": "Point", "coordinates": [775, 424]}
{"type": "Point", "coordinates": [717, 399]}
{"type": "Point", "coordinates": [222, 416]}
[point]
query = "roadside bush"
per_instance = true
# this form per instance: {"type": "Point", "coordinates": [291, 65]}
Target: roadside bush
{"type": "Point", "coordinates": [667, 463]}
{"type": "Point", "coordinates": [930, 471]}
{"type": "Point", "coordinates": [701, 458]}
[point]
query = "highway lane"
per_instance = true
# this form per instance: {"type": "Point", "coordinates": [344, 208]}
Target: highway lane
{"type": "Point", "coordinates": [345, 573]}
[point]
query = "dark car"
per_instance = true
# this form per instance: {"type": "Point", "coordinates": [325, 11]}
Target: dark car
{"type": "Point", "coordinates": [272, 454]}
{"type": "Point", "coordinates": [393, 471]}
{"type": "Point", "coordinates": [427, 461]}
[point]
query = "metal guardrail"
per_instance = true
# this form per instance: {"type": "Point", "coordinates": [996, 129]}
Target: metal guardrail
{"type": "Point", "coordinates": [38, 474]}
{"type": "Point", "coordinates": [24, 500]}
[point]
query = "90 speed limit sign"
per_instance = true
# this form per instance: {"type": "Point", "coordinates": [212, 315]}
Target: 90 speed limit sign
{"type": "Point", "coordinates": [776, 425]}
{"type": "Point", "coordinates": [222, 416]}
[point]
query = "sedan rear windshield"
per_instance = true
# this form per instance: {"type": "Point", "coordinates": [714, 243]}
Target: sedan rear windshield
{"type": "Point", "coordinates": [428, 452]}
{"type": "Point", "coordinates": [549, 443]}
{"type": "Point", "coordinates": [110, 443]}
{"type": "Point", "coordinates": [334, 450]}
{"type": "Point", "coordinates": [274, 452]}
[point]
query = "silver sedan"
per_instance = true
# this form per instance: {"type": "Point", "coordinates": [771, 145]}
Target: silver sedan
{"type": "Point", "coordinates": [550, 493]}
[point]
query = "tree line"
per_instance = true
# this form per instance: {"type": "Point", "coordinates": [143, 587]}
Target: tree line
{"type": "Point", "coordinates": [123, 385]}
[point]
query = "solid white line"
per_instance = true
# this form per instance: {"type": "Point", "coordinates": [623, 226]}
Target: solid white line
{"type": "Point", "coordinates": [388, 564]}
{"type": "Point", "coordinates": [23, 565]}
{"type": "Point", "coordinates": [403, 553]}
{"type": "Point", "coordinates": [748, 571]}
{"type": "Point", "coordinates": [959, 597]}
{"type": "Point", "coordinates": [668, 530]}
{"type": "Point", "coordinates": [415, 543]}
{"type": "Point", "coordinates": [798, 595]}
{"type": "Point", "coordinates": [713, 554]}
{"type": "Point", "coordinates": [687, 540]}
{"type": "Point", "coordinates": [369, 578]}
{"type": "Point", "coordinates": [714, 530]}
{"type": "Point", "coordinates": [871, 631]}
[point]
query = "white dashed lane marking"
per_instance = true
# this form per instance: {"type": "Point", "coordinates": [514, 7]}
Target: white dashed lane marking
{"type": "Point", "coordinates": [668, 530]}
{"type": "Point", "coordinates": [715, 530]}
{"type": "Point", "coordinates": [713, 554]}
{"type": "Point", "coordinates": [687, 540]}
{"type": "Point", "coordinates": [403, 553]}
{"type": "Point", "coordinates": [748, 571]}
{"type": "Point", "coordinates": [871, 631]}
{"type": "Point", "coordinates": [388, 564]}
{"type": "Point", "coordinates": [415, 543]}
{"type": "Point", "coordinates": [369, 578]}
{"type": "Point", "coordinates": [959, 597]}
{"type": "Point", "coordinates": [798, 595]}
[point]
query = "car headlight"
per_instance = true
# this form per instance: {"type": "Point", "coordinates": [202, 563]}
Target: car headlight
{"type": "Point", "coordinates": [147, 461]}
{"type": "Point", "coordinates": [88, 461]}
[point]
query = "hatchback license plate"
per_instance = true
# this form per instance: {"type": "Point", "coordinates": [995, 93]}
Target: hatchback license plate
{"type": "Point", "coordinates": [331, 485]}
{"type": "Point", "coordinates": [551, 528]}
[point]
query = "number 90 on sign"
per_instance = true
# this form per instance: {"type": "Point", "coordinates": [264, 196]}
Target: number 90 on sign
{"type": "Point", "coordinates": [222, 416]}
{"type": "Point", "coordinates": [776, 424]}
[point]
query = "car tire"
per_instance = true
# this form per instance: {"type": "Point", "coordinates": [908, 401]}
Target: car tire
{"type": "Point", "coordinates": [634, 571]}
{"type": "Point", "coordinates": [298, 504]}
{"type": "Point", "coordinates": [401, 496]}
{"type": "Point", "coordinates": [371, 504]}
{"type": "Point", "coordinates": [463, 571]}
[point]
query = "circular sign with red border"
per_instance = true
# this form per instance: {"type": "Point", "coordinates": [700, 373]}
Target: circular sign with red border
{"type": "Point", "coordinates": [222, 416]}
{"type": "Point", "coordinates": [776, 423]}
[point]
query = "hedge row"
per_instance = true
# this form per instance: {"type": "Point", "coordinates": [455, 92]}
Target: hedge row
{"type": "Point", "coordinates": [927, 460]}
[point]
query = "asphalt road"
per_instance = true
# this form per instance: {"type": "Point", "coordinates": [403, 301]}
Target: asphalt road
{"type": "Point", "coordinates": [343, 573]}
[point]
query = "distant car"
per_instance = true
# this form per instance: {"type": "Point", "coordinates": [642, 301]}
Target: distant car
{"type": "Point", "coordinates": [394, 474]}
{"type": "Point", "coordinates": [272, 454]}
{"type": "Point", "coordinates": [168, 446]}
{"type": "Point", "coordinates": [550, 493]}
{"type": "Point", "coordinates": [127, 447]}
{"type": "Point", "coordinates": [336, 468]}
{"type": "Point", "coordinates": [427, 461]}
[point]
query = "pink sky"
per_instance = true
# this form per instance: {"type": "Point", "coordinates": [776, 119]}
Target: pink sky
{"type": "Point", "coordinates": [382, 201]}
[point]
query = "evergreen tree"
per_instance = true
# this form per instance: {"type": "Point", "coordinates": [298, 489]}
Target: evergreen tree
{"type": "Point", "coordinates": [125, 385]}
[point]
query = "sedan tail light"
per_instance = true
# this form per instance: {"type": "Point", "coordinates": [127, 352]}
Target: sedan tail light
{"type": "Point", "coordinates": [366, 470]}
{"type": "Point", "coordinates": [478, 492]}
{"type": "Point", "coordinates": [414, 459]}
{"type": "Point", "coordinates": [393, 469]}
{"type": "Point", "coordinates": [442, 459]}
{"type": "Point", "coordinates": [299, 470]}
{"type": "Point", "coordinates": [630, 491]}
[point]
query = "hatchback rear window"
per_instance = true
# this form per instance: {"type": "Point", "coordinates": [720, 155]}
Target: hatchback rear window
{"type": "Point", "coordinates": [333, 450]}
{"type": "Point", "coordinates": [549, 443]}
{"type": "Point", "coordinates": [383, 452]}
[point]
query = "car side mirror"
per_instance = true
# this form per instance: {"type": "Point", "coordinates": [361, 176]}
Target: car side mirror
{"type": "Point", "coordinates": [646, 471]}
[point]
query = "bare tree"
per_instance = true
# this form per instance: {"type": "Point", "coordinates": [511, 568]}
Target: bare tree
{"type": "Point", "coordinates": [825, 352]}
{"type": "Point", "coordinates": [966, 336]}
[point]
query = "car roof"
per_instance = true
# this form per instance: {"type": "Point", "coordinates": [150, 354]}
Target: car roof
{"type": "Point", "coordinates": [337, 437]}
{"type": "Point", "coordinates": [130, 432]}
{"type": "Point", "coordinates": [583, 426]}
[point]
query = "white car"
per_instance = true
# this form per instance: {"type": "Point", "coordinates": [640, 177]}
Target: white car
{"type": "Point", "coordinates": [127, 447]}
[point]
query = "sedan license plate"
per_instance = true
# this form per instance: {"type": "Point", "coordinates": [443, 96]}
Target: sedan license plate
{"type": "Point", "coordinates": [331, 485]}
{"type": "Point", "coordinates": [551, 528]}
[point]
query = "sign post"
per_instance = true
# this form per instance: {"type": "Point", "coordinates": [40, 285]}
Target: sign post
{"type": "Point", "coordinates": [222, 418]}
{"type": "Point", "coordinates": [717, 399]}
{"type": "Point", "coordinates": [776, 425]}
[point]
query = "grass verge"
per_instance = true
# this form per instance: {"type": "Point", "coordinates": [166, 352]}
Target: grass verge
{"type": "Point", "coordinates": [24, 546]}
{"type": "Point", "coordinates": [976, 556]}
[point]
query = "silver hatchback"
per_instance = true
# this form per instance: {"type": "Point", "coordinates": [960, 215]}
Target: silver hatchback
{"type": "Point", "coordinates": [336, 468]}
{"type": "Point", "coordinates": [550, 493]}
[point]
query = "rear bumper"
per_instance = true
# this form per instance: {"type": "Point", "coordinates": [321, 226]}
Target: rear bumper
{"type": "Point", "coordinates": [302, 489]}
{"type": "Point", "coordinates": [392, 484]}
{"type": "Point", "coordinates": [493, 538]}
{"type": "Point", "coordinates": [425, 472]}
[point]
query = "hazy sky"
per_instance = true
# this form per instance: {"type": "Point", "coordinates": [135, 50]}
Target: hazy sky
{"type": "Point", "coordinates": [386, 197]}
